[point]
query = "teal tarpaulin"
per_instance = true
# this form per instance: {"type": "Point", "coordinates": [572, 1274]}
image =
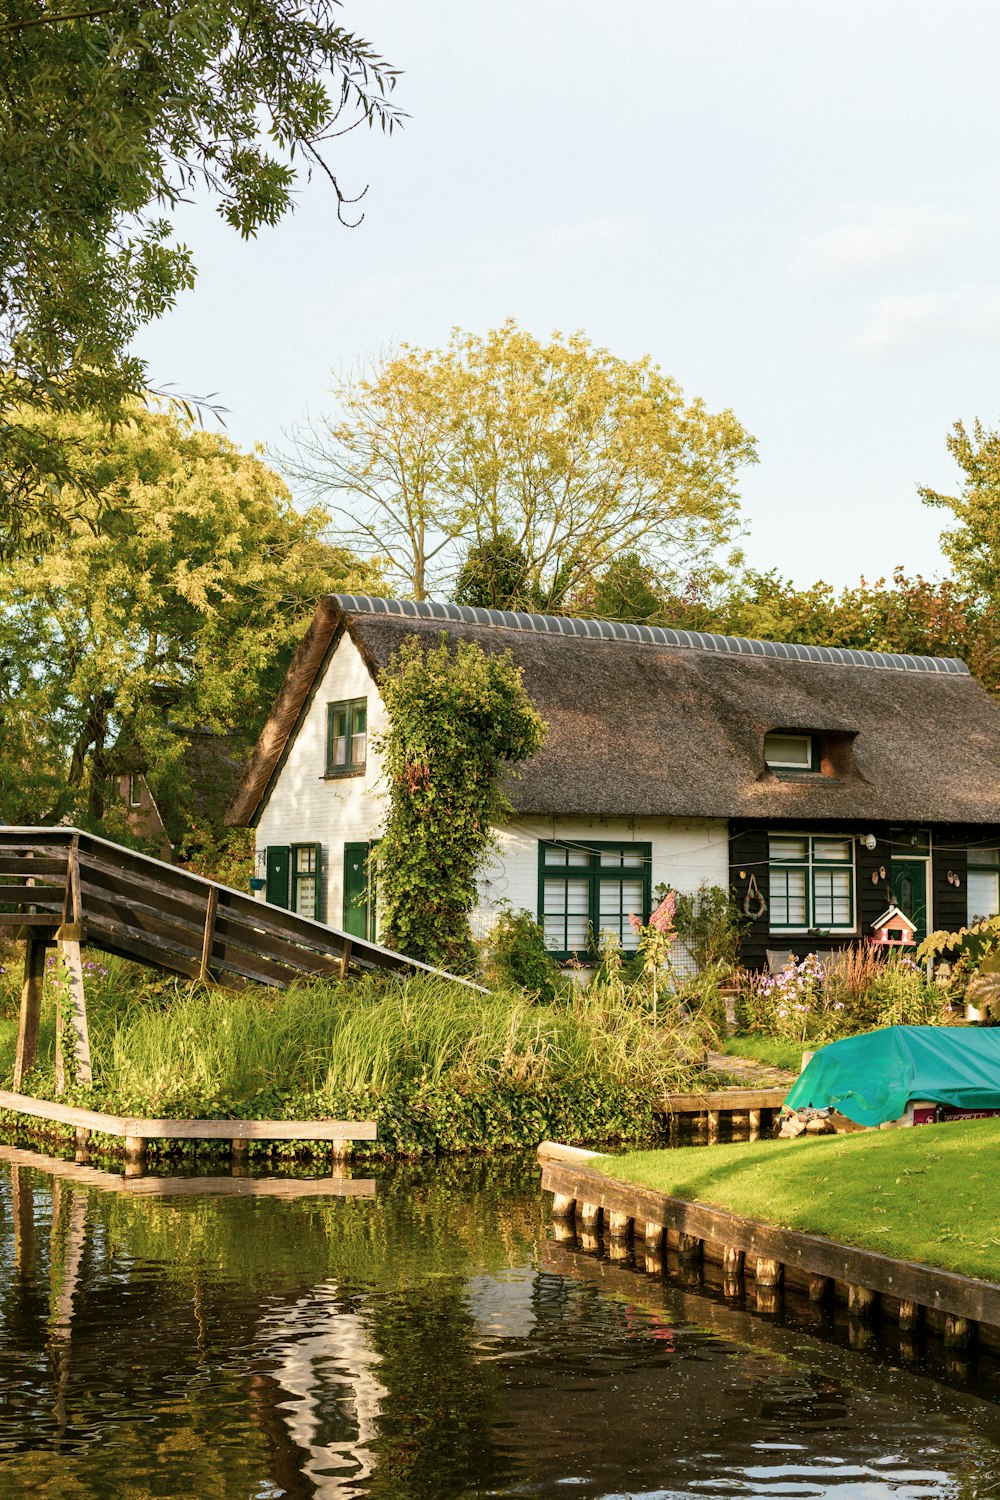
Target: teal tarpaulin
{"type": "Point", "coordinates": [873, 1078]}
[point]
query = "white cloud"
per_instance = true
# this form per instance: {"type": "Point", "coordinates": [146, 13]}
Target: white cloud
{"type": "Point", "coordinates": [970, 315]}
{"type": "Point", "coordinates": [879, 234]}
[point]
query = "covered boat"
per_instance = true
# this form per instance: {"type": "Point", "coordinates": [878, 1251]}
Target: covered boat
{"type": "Point", "coordinates": [909, 1074]}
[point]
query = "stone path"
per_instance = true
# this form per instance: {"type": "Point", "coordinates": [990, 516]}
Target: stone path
{"type": "Point", "coordinates": [748, 1072]}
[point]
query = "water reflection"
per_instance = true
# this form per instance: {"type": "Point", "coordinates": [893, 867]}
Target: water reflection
{"type": "Point", "coordinates": [436, 1340]}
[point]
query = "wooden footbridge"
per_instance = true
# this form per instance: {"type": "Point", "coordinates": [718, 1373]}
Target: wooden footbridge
{"type": "Point", "coordinates": [61, 887]}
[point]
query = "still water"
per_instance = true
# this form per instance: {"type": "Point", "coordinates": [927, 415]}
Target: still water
{"type": "Point", "coordinates": [432, 1340]}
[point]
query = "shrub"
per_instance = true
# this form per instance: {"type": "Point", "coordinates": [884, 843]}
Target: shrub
{"type": "Point", "coordinates": [709, 925]}
{"type": "Point", "coordinates": [514, 953]}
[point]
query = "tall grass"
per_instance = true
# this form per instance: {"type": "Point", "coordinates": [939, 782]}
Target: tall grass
{"type": "Point", "coordinates": [436, 1064]}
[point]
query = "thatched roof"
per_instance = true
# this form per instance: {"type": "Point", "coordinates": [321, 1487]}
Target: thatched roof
{"type": "Point", "coordinates": [654, 722]}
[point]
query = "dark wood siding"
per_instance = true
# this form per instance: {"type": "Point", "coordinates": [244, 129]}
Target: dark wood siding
{"type": "Point", "coordinates": [873, 889]}
{"type": "Point", "coordinates": [748, 857]}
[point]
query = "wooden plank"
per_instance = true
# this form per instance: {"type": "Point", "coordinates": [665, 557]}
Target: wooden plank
{"type": "Point", "coordinates": [240, 936]}
{"type": "Point", "coordinates": [126, 942]}
{"type": "Point", "coordinates": [556, 1151]}
{"type": "Point", "coordinates": [31, 1006]}
{"type": "Point", "coordinates": [723, 1099]}
{"type": "Point", "coordinates": [31, 894]}
{"type": "Point", "coordinates": [41, 866]}
{"type": "Point", "coordinates": [15, 920]}
{"type": "Point", "coordinates": [191, 1130]}
{"type": "Point", "coordinates": [208, 937]}
{"type": "Point", "coordinates": [73, 910]}
{"type": "Point", "coordinates": [814, 1254]}
{"type": "Point", "coordinates": [134, 912]}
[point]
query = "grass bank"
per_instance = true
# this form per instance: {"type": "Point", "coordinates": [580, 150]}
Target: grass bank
{"type": "Point", "coordinates": [925, 1194]}
{"type": "Point", "coordinates": [437, 1067]}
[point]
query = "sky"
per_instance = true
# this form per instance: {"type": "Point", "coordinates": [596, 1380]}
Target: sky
{"type": "Point", "coordinates": [791, 206]}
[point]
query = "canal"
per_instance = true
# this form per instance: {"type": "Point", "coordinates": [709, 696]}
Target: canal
{"type": "Point", "coordinates": [431, 1340]}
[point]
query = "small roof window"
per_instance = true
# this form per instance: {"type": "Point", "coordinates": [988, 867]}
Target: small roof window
{"type": "Point", "coordinates": [790, 752]}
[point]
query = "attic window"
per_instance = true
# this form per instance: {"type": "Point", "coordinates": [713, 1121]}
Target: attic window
{"type": "Point", "coordinates": [791, 752]}
{"type": "Point", "coordinates": [347, 737]}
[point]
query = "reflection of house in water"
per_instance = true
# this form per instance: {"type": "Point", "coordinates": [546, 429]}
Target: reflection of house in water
{"type": "Point", "coordinates": [325, 1368]}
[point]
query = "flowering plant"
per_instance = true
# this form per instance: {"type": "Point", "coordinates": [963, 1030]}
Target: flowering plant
{"type": "Point", "coordinates": [656, 937]}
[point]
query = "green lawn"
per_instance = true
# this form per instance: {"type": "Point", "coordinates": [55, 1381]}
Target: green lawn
{"type": "Point", "coordinates": [925, 1194]}
{"type": "Point", "coordinates": [773, 1051]}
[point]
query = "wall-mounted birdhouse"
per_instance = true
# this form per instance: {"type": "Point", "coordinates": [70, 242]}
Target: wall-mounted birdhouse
{"type": "Point", "coordinates": [895, 929]}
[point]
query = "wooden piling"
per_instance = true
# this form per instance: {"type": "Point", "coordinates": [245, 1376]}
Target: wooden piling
{"type": "Point", "coordinates": [563, 1207]}
{"type": "Point", "coordinates": [820, 1288]}
{"type": "Point", "coordinates": [957, 1332]}
{"type": "Point", "coordinates": [653, 1238]}
{"type": "Point", "coordinates": [589, 1215]}
{"type": "Point", "coordinates": [618, 1226]}
{"type": "Point", "coordinates": [689, 1247]}
{"type": "Point", "coordinates": [72, 1031]}
{"type": "Point", "coordinates": [31, 1006]}
{"type": "Point", "coordinates": [754, 1118]}
{"type": "Point", "coordinates": [910, 1314]}
{"type": "Point", "coordinates": [563, 1230]}
{"type": "Point", "coordinates": [732, 1271]}
{"type": "Point", "coordinates": [861, 1302]}
{"type": "Point", "coordinates": [713, 1126]}
{"type": "Point", "coordinates": [135, 1149]}
{"type": "Point", "coordinates": [768, 1273]}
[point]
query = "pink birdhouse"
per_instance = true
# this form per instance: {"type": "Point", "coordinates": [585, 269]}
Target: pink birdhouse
{"type": "Point", "coordinates": [895, 929]}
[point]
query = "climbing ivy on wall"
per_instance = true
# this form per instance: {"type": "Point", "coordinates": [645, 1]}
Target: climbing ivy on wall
{"type": "Point", "coordinates": [459, 717]}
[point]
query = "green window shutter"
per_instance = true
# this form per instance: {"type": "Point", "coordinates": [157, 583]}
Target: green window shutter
{"type": "Point", "coordinates": [356, 894]}
{"type": "Point", "coordinates": [278, 868]}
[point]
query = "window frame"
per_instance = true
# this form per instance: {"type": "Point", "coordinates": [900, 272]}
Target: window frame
{"type": "Point", "coordinates": [810, 738]}
{"type": "Point", "coordinates": [350, 767]}
{"type": "Point", "coordinates": [809, 865]}
{"type": "Point", "coordinates": [974, 867]}
{"type": "Point", "coordinates": [295, 876]}
{"type": "Point", "coordinates": [596, 876]}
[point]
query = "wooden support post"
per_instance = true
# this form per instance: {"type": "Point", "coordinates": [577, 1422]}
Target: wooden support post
{"type": "Point", "coordinates": [590, 1216]}
{"type": "Point", "coordinates": [909, 1316]}
{"type": "Point", "coordinates": [713, 1126]}
{"type": "Point", "coordinates": [820, 1288]}
{"type": "Point", "coordinates": [563, 1231]}
{"type": "Point", "coordinates": [82, 1143]}
{"type": "Point", "coordinates": [31, 1005]}
{"type": "Point", "coordinates": [732, 1272]}
{"type": "Point", "coordinates": [618, 1250]}
{"type": "Point", "coordinates": [563, 1207]}
{"type": "Point", "coordinates": [71, 1017]}
{"type": "Point", "coordinates": [957, 1332]}
{"type": "Point", "coordinates": [755, 1124]}
{"type": "Point", "coordinates": [653, 1238]}
{"type": "Point", "coordinates": [135, 1155]}
{"type": "Point", "coordinates": [689, 1247]}
{"type": "Point", "coordinates": [241, 1155]}
{"type": "Point", "coordinates": [345, 958]}
{"type": "Point", "coordinates": [208, 937]}
{"type": "Point", "coordinates": [769, 1273]}
{"type": "Point", "coordinates": [618, 1226]}
{"type": "Point", "coordinates": [861, 1302]}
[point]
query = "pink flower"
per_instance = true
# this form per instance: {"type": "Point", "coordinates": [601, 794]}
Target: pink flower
{"type": "Point", "coordinates": [663, 917]}
{"type": "Point", "coordinates": [634, 922]}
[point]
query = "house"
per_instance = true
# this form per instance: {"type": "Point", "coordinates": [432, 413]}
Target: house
{"type": "Point", "coordinates": [822, 785]}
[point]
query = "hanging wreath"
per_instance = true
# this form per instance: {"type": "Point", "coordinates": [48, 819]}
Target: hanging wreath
{"type": "Point", "coordinates": [754, 905]}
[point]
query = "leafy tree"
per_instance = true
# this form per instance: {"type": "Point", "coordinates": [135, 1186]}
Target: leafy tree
{"type": "Point", "coordinates": [573, 453]}
{"type": "Point", "coordinates": [628, 589]}
{"type": "Point", "coordinates": [494, 575]}
{"type": "Point", "coordinates": [458, 719]}
{"type": "Point", "coordinates": [170, 606]}
{"type": "Point", "coordinates": [973, 546]}
{"type": "Point", "coordinates": [111, 113]}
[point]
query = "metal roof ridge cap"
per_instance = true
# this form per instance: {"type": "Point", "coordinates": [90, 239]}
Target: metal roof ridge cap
{"type": "Point", "coordinates": [595, 629]}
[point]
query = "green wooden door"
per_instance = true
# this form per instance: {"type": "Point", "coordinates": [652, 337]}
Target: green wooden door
{"type": "Point", "coordinates": [356, 893]}
{"type": "Point", "coordinates": [909, 888]}
{"type": "Point", "coordinates": [278, 871]}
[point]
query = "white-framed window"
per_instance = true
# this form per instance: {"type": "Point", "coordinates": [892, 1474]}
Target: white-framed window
{"type": "Point", "coordinates": [791, 752]}
{"type": "Point", "coordinates": [811, 878]}
{"type": "Point", "coordinates": [135, 791]}
{"type": "Point", "coordinates": [983, 882]}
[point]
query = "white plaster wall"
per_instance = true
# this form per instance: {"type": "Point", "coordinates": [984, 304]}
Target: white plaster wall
{"type": "Point", "coordinates": [305, 806]}
{"type": "Point", "coordinates": [686, 852]}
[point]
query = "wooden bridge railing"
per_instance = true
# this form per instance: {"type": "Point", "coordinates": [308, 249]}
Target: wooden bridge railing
{"type": "Point", "coordinates": [64, 887]}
